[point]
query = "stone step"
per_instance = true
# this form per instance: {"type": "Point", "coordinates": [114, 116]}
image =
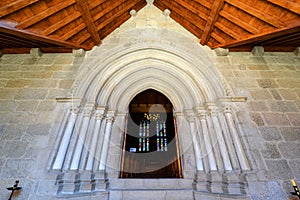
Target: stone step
{"type": "Point", "coordinates": [152, 184]}
{"type": "Point", "coordinates": [151, 194]}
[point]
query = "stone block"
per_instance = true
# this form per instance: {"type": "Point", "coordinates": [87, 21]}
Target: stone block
{"type": "Point", "coordinates": [294, 118]}
{"type": "Point", "coordinates": [258, 106]}
{"type": "Point", "coordinates": [287, 94]}
{"type": "Point", "coordinates": [289, 83]}
{"type": "Point", "coordinates": [47, 105]}
{"type": "Point", "coordinates": [258, 67]}
{"type": "Point", "coordinates": [45, 61]}
{"type": "Point", "coordinates": [278, 169]}
{"type": "Point", "coordinates": [271, 151]}
{"type": "Point", "coordinates": [18, 83]}
{"type": "Point", "coordinates": [290, 133]}
{"type": "Point", "coordinates": [289, 150]}
{"type": "Point", "coordinates": [221, 51]}
{"type": "Point", "coordinates": [36, 52]}
{"type": "Point", "coordinates": [275, 94]}
{"type": "Point", "coordinates": [8, 93]}
{"type": "Point", "coordinates": [46, 83]}
{"type": "Point", "coordinates": [30, 93]}
{"type": "Point", "coordinates": [8, 105]}
{"type": "Point", "coordinates": [271, 74]}
{"type": "Point", "coordinates": [13, 132]}
{"type": "Point", "coordinates": [283, 106]}
{"type": "Point", "coordinates": [267, 83]}
{"type": "Point", "coordinates": [278, 119]}
{"type": "Point", "coordinates": [295, 166]}
{"type": "Point", "coordinates": [39, 129]}
{"type": "Point", "coordinates": [256, 117]}
{"type": "Point", "coordinates": [260, 94]}
{"type": "Point", "coordinates": [34, 74]}
{"type": "Point", "coordinates": [258, 51]}
{"type": "Point", "coordinates": [270, 133]}
{"type": "Point", "coordinates": [27, 105]}
{"type": "Point", "coordinates": [78, 52]}
{"type": "Point", "coordinates": [15, 149]}
{"type": "Point", "coordinates": [66, 84]}
{"type": "Point", "coordinates": [65, 60]}
{"type": "Point", "coordinates": [17, 168]}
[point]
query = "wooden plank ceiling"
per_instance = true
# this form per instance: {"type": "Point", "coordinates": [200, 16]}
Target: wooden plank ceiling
{"type": "Point", "coordinates": [63, 25]}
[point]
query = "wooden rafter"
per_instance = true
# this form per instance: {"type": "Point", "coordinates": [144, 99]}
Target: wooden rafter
{"type": "Point", "coordinates": [116, 14]}
{"type": "Point", "coordinates": [258, 14]}
{"type": "Point", "coordinates": [292, 28]}
{"type": "Point", "coordinates": [194, 10]}
{"type": "Point", "coordinates": [193, 18]}
{"type": "Point", "coordinates": [61, 23]}
{"type": "Point", "coordinates": [228, 31]}
{"type": "Point", "coordinates": [213, 16]}
{"type": "Point", "coordinates": [111, 7]}
{"type": "Point", "coordinates": [239, 22]}
{"type": "Point", "coordinates": [14, 6]}
{"type": "Point", "coordinates": [72, 32]}
{"type": "Point", "coordinates": [29, 35]}
{"type": "Point", "coordinates": [42, 15]}
{"type": "Point", "coordinates": [287, 4]}
{"type": "Point", "coordinates": [88, 20]}
{"type": "Point", "coordinates": [205, 3]}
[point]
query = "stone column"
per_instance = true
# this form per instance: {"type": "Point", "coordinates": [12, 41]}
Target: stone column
{"type": "Point", "coordinates": [198, 155]}
{"type": "Point", "coordinates": [206, 141]}
{"type": "Point", "coordinates": [81, 138]}
{"type": "Point", "coordinates": [227, 137]}
{"type": "Point", "coordinates": [60, 156]}
{"type": "Point", "coordinates": [61, 131]}
{"type": "Point", "coordinates": [93, 151]}
{"type": "Point", "coordinates": [86, 151]}
{"type": "Point", "coordinates": [220, 138]}
{"type": "Point", "coordinates": [105, 147]}
{"type": "Point", "coordinates": [214, 143]}
{"type": "Point", "coordinates": [236, 140]}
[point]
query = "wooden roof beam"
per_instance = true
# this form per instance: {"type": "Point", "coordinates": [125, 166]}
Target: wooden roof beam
{"type": "Point", "coordinates": [256, 13]}
{"type": "Point", "coordinates": [15, 6]}
{"type": "Point", "coordinates": [239, 22]}
{"type": "Point", "coordinates": [287, 4]}
{"type": "Point", "coordinates": [204, 3]}
{"type": "Point", "coordinates": [111, 6]}
{"type": "Point", "coordinates": [126, 6]}
{"type": "Point", "coordinates": [294, 27]}
{"type": "Point", "coordinates": [61, 23]}
{"type": "Point", "coordinates": [32, 36]}
{"type": "Point", "coordinates": [88, 20]}
{"type": "Point", "coordinates": [181, 9]}
{"type": "Point", "coordinates": [213, 16]}
{"type": "Point", "coordinates": [42, 15]}
{"type": "Point", "coordinates": [194, 10]}
{"type": "Point", "coordinates": [228, 31]}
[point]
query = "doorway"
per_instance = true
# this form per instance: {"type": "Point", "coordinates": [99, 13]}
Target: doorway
{"type": "Point", "coordinates": [150, 148]}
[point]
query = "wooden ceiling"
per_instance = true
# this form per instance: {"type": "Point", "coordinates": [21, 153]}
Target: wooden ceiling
{"type": "Point", "coordinates": [63, 25]}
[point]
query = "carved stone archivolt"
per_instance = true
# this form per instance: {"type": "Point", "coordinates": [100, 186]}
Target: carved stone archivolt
{"type": "Point", "coordinates": [213, 155]}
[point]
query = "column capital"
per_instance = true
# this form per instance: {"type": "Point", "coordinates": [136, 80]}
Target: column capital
{"type": "Point", "coordinates": [75, 109]}
{"type": "Point", "coordinates": [88, 110]}
{"type": "Point", "coordinates": [100, 112]}
{"type": "Point", "coordinates": [110, 116]}
{"type": "Point", "coordinates": [190, 115]}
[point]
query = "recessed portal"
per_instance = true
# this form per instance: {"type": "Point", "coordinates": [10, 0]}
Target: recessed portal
{"type": "Point", "coordinates": [150, 148]}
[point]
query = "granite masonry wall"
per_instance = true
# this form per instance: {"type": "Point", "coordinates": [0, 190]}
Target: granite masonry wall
{"type": "Point", "coordinates": [30, 115]}
{"type": "Point", "coordinates": [29, 86]}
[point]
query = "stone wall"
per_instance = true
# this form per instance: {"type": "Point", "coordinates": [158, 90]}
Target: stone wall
{"type": "Point", "coordinates": [29, 86]}
{"type": "Point", "coordinates": [30, 114]}
{"type": "Point", "coordinates": [271, 82]}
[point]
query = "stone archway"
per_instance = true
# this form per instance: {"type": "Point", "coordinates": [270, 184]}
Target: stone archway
{"type": "Point", "coordinates": [91, 136]}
